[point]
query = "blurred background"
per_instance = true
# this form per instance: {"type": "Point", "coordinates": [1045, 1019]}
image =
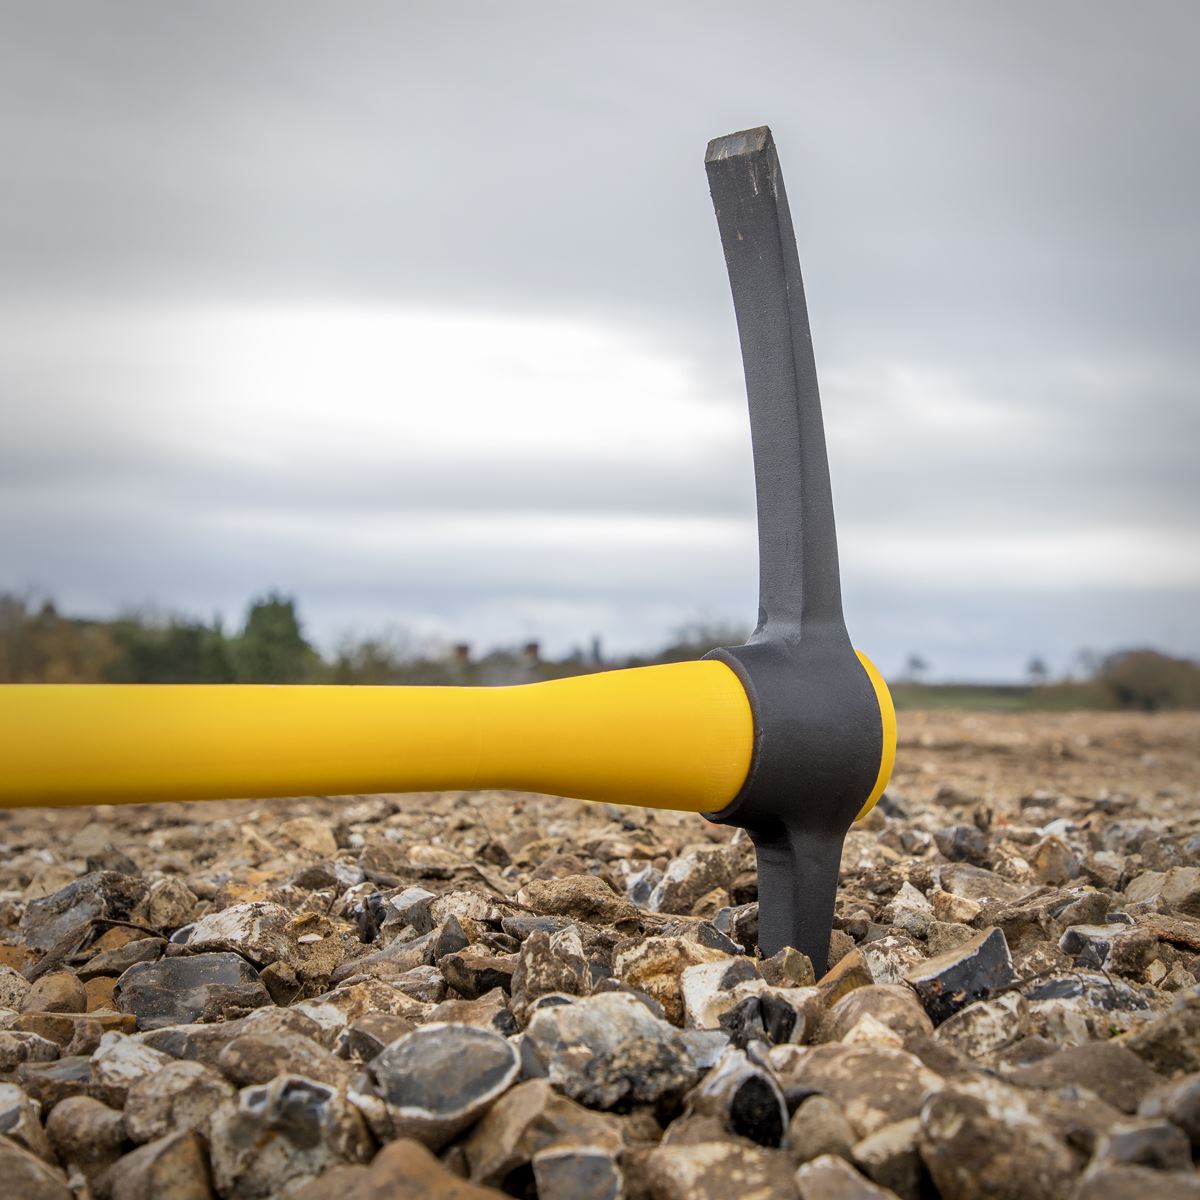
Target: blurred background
{"type": "Point", "coordinates": [392, 341]}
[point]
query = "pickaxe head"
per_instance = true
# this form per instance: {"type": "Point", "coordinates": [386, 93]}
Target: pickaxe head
{"type": "Point", "coordinates": [825, 730]}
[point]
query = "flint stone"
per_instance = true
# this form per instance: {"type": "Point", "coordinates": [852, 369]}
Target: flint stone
{"type": "Point", "coordinates": [892, 1004]}
{"type": "Point", "coordinates": [1179, 1103]}
{"type": "Point", "coordinates": [17, 1046]}
{"type": "Point", "coordinates": [986, 1026]}
{"type": "Point", "coordinates": [180, 1096]}
{"type": "Point", "coordinates": [426, 984]}
{"type": "Point", "coordinates": [472, 972]}
{"type": "Point", "coordinates": [402, 1170]}
{"type": "Point", "coordinates": [65, 914]}
{"type": "Point", "coordinates": [272, 1137]}
{"type": "Point", "coordinates": [396, 958]}
{"type": "Point", "coordinates": [333, 1011]}
{"type": "Point", "coordinates": [707, 989]}
{"type": "Point", "coordinates": [168, 904]}
{"type": "Point", "coordinates": [718, 1171]}
{"type": "Point", "coordinates": [366, 1037]}
{"type": "Point", "coordinates": [1144, 1143]}
{"type": "Point", "coordinates": [255, 1058]}
{"type": "Point", "coordinates": [608, 1051]}
{"type": "Point", "coordinates": [949, 907]}
{"type": "Point", "coordinates": [1136, 1183]}
{"type": "Point", "coordinates": [14, 987]}
{"type": "Point", "coordinates": [257, 931]}
{"type": "Point", "coordinates": [119, 1063]}
{"type": "Point", "coordinates": [889, 957]}
{"type": "Point", "coordinates": [204, 1043]}
{"type": "Point", "coordinates": [172, 1168]}
{"type": "Point", "coordinates": [690, 877]}
{"type": "Point", "coordinates": [50, 1083]}
{"type": "Point", "coordinates": [891, 1158]}
{"type": "Point", "coordinates": [817, 1127]}
{"type": "Point", "coordinates": [20, 1121]}
{"type": "Point", "coordinates": [962, 843]}
{"type": "Point", "coordinates": [745, 1097]}
{"type": "Point", "coordinates": [655, 965]}
{"type": "Point", "coordinates": [1179, 888]}
{"type": "Point", "coordinates": [1099, 992]}
{"type": "Point", "coordinates": [530, 1118]}
{"type": "Point", "coordinates": [1125, 949]}
{"type": "Point", "coordinates": [86, 1134]}
{"type": "Point", "coordinates": [58, 992]}
{"type": "Point", "coordinates": [177, 991]}
{"type": "Point", "coordinates": [549, 962]}
{"type": "Point", "coordinates": [1170, 1044]}
{"type": "Point", "coordinates": [578, 1172]}
{"type": "Point", "coordinates": [984, 1138]}
{"type": "Point", "coordinates": [1108, 1069]}
{"type": "Point", "coordinates": [437, 1081]}
{"type": "Point", "coordinates": [490, 1012]}
{"type": "Point", "coordinates": [120, 959]}
{"type": "Point", "coordinates": [788, 968]}
{"type": "Point", "coordinates": [850, 971]}
{"type": "Point", "coordinates": [833, 1178]}
{"type": "Point", "coordinates": [28, 1176]}
{"type": "Point", "coordinates": [971, 972]}
{"type": "Point", "coordinates": [978, 884]}
{"type": "Point", "coordinates": [773, 1015]}
{"type": "Point", "coordinates": [582, 897]}
{"type": "Point", "coordinates": [875, 1085]}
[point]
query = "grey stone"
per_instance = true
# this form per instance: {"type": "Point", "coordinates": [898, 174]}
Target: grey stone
{"type": "Point", "coordinates": [1179, 1103]}
{"type": "Point", "coordinates": [437, 1081]}
{"type": "Point", "coordinates": [473, 973]}
{"type": "Point", "coordinates": [690, 877]}
{"type": "Point", "coordinates": [86, 1135]}
{"type": "Point", "coordinates": [18, 1046]}
{"type": "Point", "coordinates": [891, 1157]}
{"type": "Point", "coordinates": [608, 1051]}
{"type": "Point", "coordinates": [272, 1138]}
{"type": "Point", "coordinates": [28, 1177]}
{"type": "Point", "coordinates": [986, 1140]}
{"type": "Point", "coordinates": [1137, 1183]}
{"type": "Point", "coordinates": [529, 1118]}
{"type": "Point", "coordinates": [1179, 888]}
{"type": "Point", "coordinates": [1125, 949]}
{"type": "Point", "coordinates": [832, 1178]}
{"type": "Point", "coordinates": [718, 1171]}
{"type": "Point", "coordinates": [971, 972]}
{"type": "Point", "coordinates": [176, 991]}
{"type": "Point", "coordinates": [1145, 1142]}
{"type": "Point", "coordinates": [549, 962]}
{"type": "Point", "coordinates": [987, 1026]}
{"type": "Point", "coordinates": [116, 962]}
{"type": "Point", "coordinates": [1108, 1069]}
{"type": "Point", "coordinates": [361, 1040]}
{"type": "Point", "coordinates": [578, 1172]}
{"type": "Point", "coordinates": [819, 1127]}
{"type": "Point", "coordinates": [20, 1121]}
{"type": "Point", "coordinates": [255, 1058]}
{"type": "Point", "coordinates": [69, 911]}
{"type": "Point", "coordinates": [875, 1085]}
{"type": "Point", "coordinates": [49, 1083]}
{"type": "Point", "coordinates": [171, 1168]}
{"type": "Point", "coordinates": [179, 1096]}
{"type": "Point", "coordinates": [891, 1004]}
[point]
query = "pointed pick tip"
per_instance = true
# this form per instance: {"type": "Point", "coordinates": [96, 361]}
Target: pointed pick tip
{"type": "Point", "coordinates": [744, 143]}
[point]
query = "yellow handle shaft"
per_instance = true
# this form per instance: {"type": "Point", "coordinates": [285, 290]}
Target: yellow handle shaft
{"type": "Point", "coordinates": [675, 736]}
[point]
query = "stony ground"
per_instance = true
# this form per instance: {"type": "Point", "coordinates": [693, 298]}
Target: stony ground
{"type": "Point", "coordinates": [493, 995]}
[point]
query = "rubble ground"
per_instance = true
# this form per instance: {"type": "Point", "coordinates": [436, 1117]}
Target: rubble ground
{"type": "Point", "coordinates": [464, 996]}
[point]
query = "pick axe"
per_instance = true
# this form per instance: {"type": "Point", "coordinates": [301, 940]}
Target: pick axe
{"type": "Point", "coordinates": [790, 736]}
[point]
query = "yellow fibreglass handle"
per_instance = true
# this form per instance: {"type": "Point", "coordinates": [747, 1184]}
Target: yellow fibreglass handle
{"type": "Point", "coordinates": [675, 736]}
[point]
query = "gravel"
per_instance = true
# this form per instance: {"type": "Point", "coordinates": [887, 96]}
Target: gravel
{"type": "Point", "coordinates": [463, 996]}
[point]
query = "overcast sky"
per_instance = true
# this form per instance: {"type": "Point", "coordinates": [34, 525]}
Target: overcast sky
{"type": "Point", "coordinates": [418, 311]}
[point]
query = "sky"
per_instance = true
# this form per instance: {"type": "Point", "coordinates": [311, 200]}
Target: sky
{"type": "Point", "coordinates": [418, 312]}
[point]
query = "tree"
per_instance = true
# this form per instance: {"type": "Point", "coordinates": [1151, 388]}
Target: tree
{"type": "Point", "coordinates": [1037, 670]}
{"type": "Point", "coordinates": [915, 668]}
{"type": "Point", "coordinates": [272, 647]}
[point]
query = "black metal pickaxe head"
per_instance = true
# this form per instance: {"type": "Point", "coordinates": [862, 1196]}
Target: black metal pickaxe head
{"type": "Point", "coordinates": [824, 726]}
